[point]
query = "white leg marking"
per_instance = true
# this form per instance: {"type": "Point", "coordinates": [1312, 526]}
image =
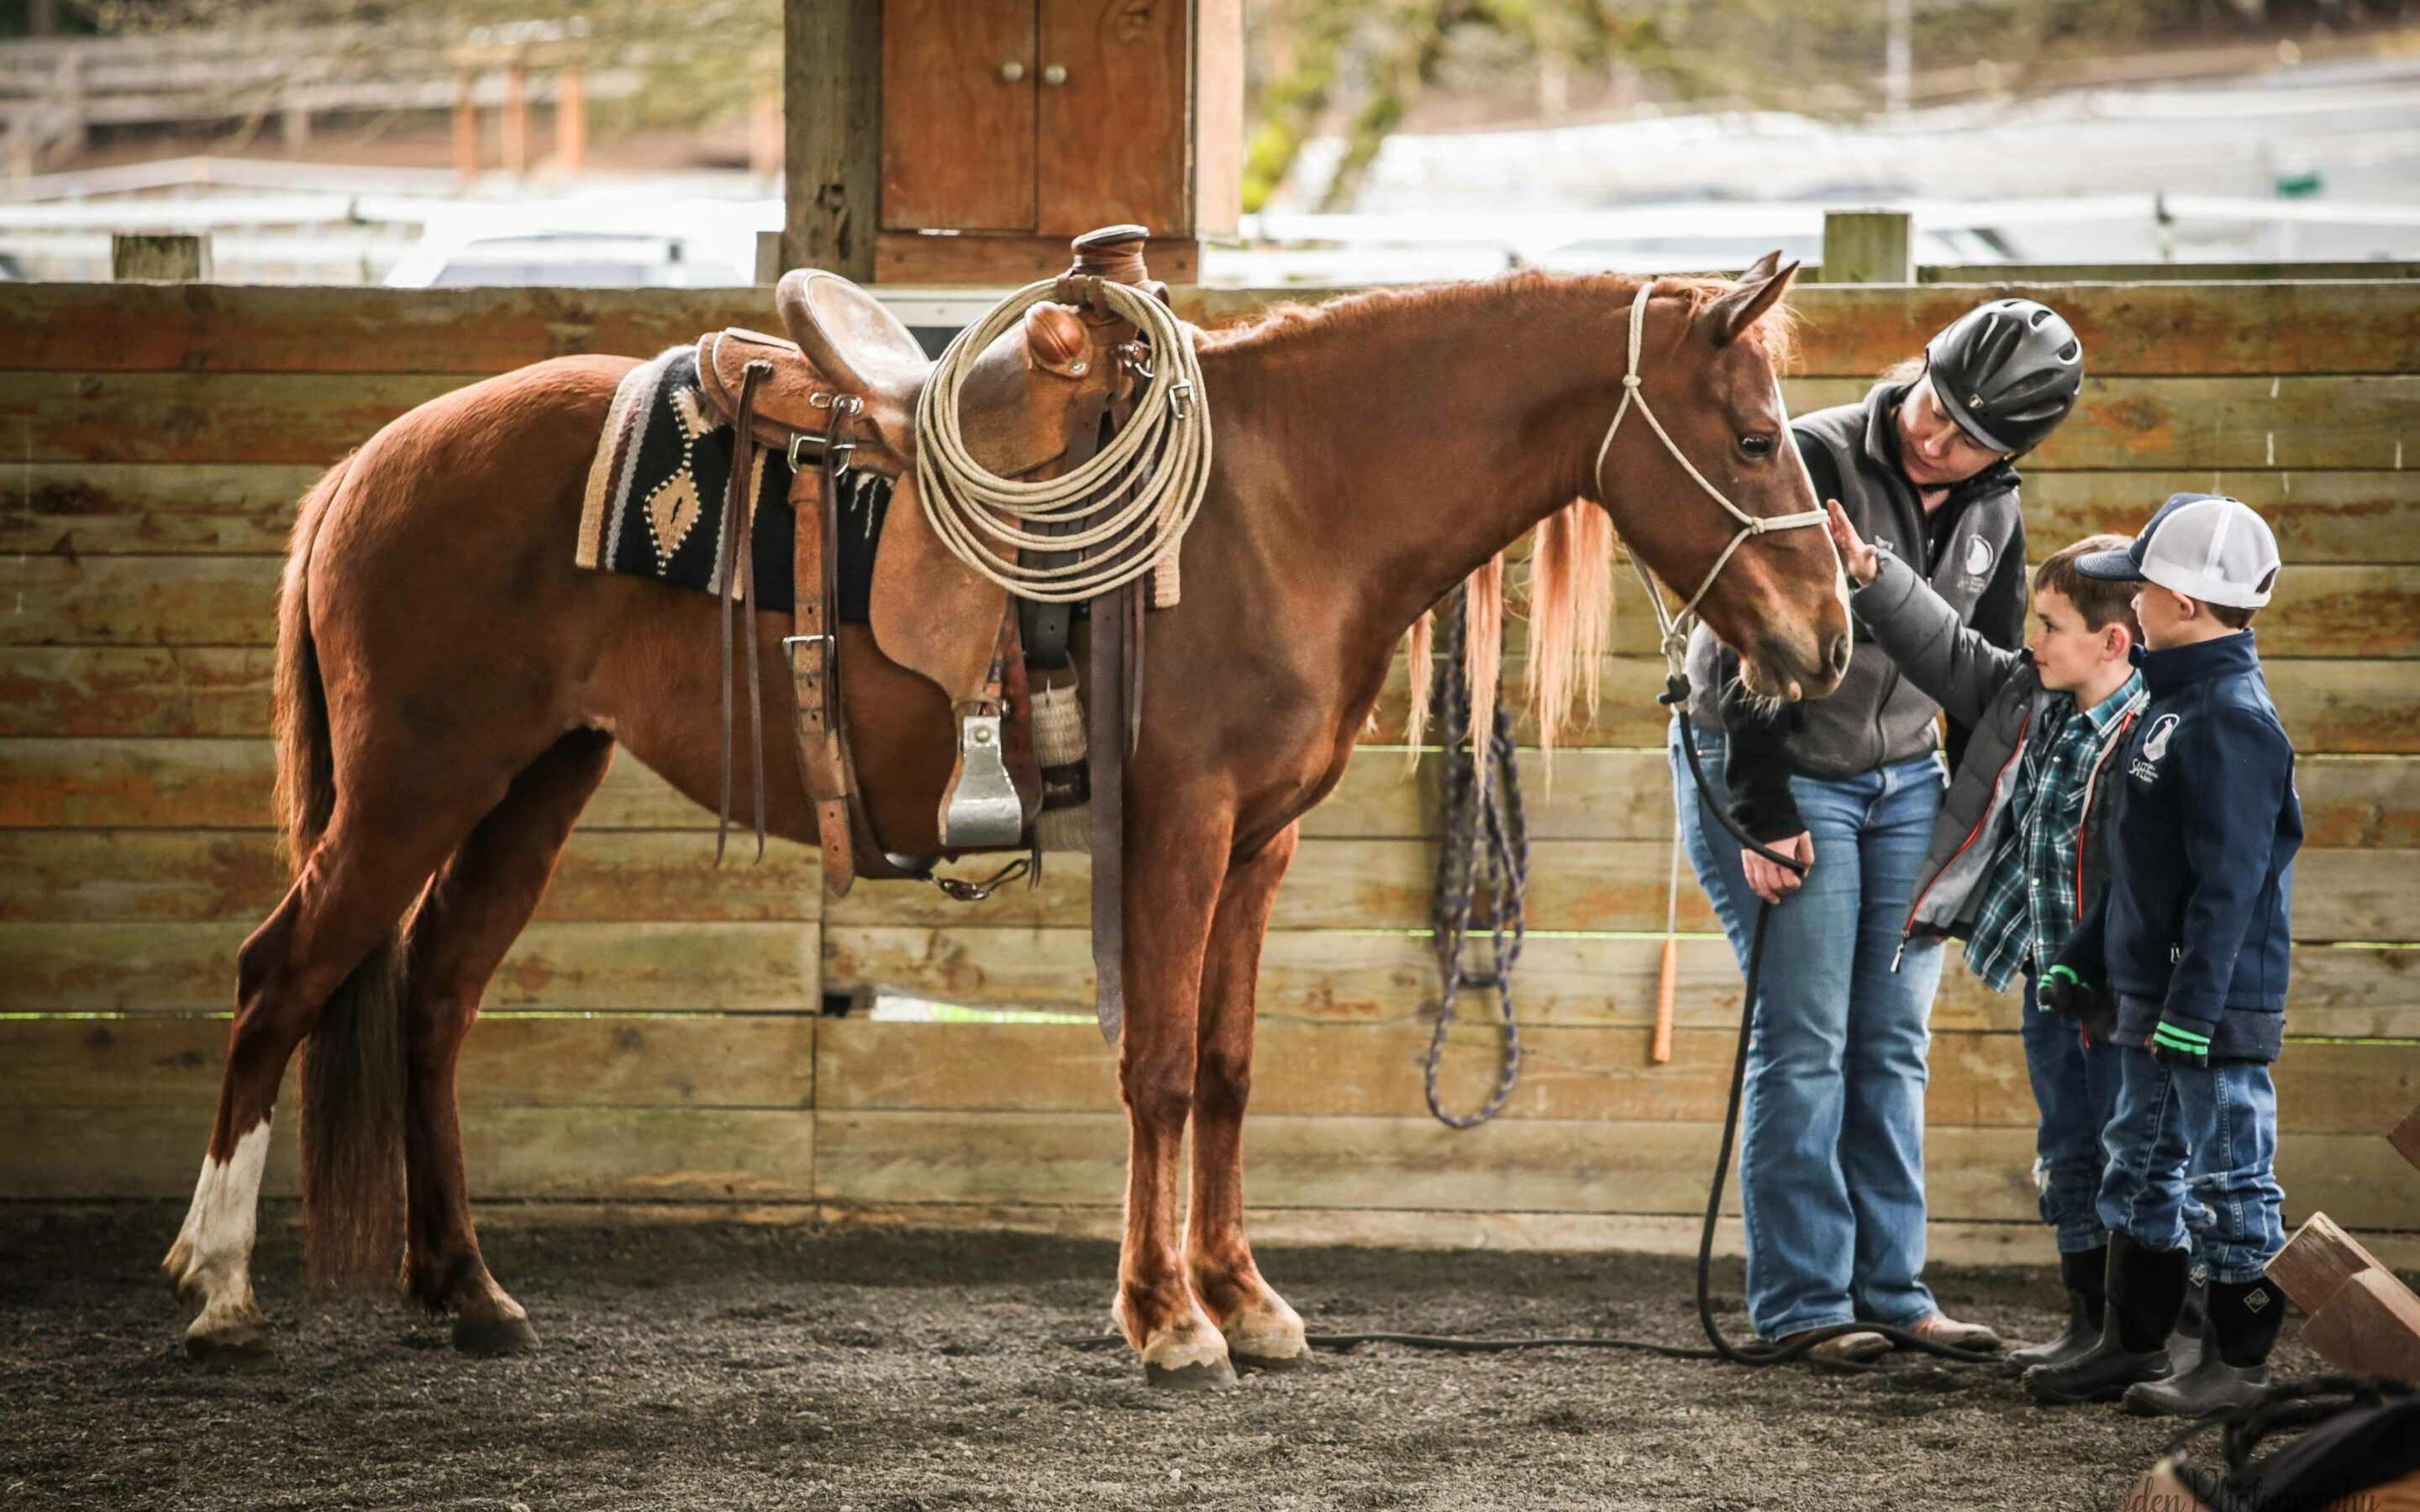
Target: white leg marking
{"type": "Point", "coordinates": [213, 1257]}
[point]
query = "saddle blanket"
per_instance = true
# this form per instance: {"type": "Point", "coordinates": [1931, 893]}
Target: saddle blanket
{"type": "Point", "coordinates": [656, 488]}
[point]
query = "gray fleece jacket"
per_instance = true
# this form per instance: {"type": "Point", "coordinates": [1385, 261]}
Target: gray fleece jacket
{"type": "Point", "coordinates": [1971, 550]}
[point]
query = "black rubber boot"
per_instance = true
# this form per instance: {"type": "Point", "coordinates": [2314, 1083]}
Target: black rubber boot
{"type": "Point", "coordinates": [2193, 1329]}
{"type": "Point", "coordinates": [2145, 1289]}
{"type": "Point", "coordinates": [2233, 1370]}
{"type": "Point", "coordinates": [2084, 1273]}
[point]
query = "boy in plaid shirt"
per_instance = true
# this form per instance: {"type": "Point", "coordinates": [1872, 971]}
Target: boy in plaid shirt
{"type": "Point", "coordinates": [2021, 849]}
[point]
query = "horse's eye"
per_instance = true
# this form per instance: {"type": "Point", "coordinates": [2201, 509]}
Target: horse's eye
{"type": "Point", "coordinates": [1757, 445]}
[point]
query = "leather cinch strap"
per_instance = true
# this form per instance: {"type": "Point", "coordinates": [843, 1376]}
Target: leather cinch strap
{"type": "Point", "coordinates": [815, 657]}
{"type": "Point", "coordinates": [739, 562]}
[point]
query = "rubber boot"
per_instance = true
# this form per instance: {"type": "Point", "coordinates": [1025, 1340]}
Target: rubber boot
{"type": "Point", "coordinates": [2233, 1371]}
{"type": "Point", "coordinates": [2084, 1274]}
{"type": "Point", "coordinates": [2145, 1289]}
{"type": "Point", "coordinates": [2193, 1325]}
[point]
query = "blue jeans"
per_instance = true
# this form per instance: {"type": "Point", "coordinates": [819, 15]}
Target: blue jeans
{"type": "Point", "coordinates": [2224, 1198]}
{"type": "Point", "coordinates": [2075, 1086]}
{"type": "Point", "coordinates": [1832, 1137]}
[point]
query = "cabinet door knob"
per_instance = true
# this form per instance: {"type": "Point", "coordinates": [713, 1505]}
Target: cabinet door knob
{"type": "Point", "coordinates": [1011, 71]}
{"type": "Point", "coordinates": [1055, 74]}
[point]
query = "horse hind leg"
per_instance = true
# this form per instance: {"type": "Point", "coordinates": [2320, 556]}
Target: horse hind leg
{"type": "Point", "coordinates": [478, 904]}
{"type": "Point", "coordinates": [330, 942]}
{"type": "Point", "coordinates": [1259, 1328]}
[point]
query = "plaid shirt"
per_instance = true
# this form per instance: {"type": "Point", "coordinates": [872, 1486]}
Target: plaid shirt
{"type": "Point", "coordinates": [2029, 895]}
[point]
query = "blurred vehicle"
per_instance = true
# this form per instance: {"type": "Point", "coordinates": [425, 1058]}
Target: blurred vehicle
{"type": "Point", "coordinates": [620, 240]}
{"type": "Point", "coordinates": [570, 260]}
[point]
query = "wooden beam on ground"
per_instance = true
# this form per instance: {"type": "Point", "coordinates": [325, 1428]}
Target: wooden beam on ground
{"type": "Point", "coordinates": [2371, 1326]}
{"type": "Point", "coordinates": [2406, 1138]}
{"type": "Point", "coordinates": [2317, 1261]}
{"type": "Point", "coordinates": [831, 73]}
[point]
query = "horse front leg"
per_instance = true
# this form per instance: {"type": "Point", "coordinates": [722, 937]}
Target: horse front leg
{"type": "Point", "coordinates": [1173, 885]}
{"type": "Point", "coordinates": [1260, 1329]}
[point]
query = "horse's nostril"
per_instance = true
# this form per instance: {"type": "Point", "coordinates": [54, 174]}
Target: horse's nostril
{"type": "Point", "coordinates": [1837, 655]}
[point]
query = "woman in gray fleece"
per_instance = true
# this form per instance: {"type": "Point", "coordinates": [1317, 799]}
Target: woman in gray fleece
{"type": "Point", "coordinates": [1831, 1148]}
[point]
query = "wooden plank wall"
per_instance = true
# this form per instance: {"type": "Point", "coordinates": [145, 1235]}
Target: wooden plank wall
{"type": "Point", "coordinates": [655, 1039]}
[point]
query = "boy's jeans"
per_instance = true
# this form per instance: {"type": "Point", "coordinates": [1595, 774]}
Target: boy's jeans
{"type": "Point", "coordinates": [2075, 1088]}
{"type": "Point", "coordinates": [2226, 1192]}
{"type": "Point", "coordinates": [1832, 1137]}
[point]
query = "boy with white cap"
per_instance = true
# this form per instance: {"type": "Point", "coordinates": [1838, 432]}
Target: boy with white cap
{"type": "Point", "coordinates": [2187, 942]}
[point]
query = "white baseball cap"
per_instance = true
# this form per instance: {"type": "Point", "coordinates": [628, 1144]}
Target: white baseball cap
{"type": "Point", "coordinates": [2203, 546]}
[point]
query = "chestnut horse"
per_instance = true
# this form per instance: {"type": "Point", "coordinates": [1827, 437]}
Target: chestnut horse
{"type": "Point", "coordinates": [451, 686]}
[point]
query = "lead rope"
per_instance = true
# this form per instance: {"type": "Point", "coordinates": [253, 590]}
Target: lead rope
{"type": "Point", "coordinates": [1477, 816]}
{"type": "Point", "coordinates": [1121, 512]}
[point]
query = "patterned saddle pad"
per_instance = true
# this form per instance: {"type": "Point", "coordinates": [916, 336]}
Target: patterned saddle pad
{"type": "Point", "coordinates": [653, 502]}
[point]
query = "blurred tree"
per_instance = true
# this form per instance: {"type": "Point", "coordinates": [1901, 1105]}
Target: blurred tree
{"type": "Point", "coordinates": [690, 52]}
{"type": "Point", "coordinates": [1358, 67]}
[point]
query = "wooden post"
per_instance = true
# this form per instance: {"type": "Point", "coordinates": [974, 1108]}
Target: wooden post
{"type": "Point", "coordinates": [571, 118]}
{"type": "Point", "coordinates": [466, 125]}
{"type": "Point", "coordinates": [769, 259]}
{"type": "Point", "coordinates": [831, 174]}
{"type": "Point", "coordinates": [1868, 247]}
{"type": "Point", "coordinates": [515, 123]}
{"type": "Point", "coordinates": [166, 259]}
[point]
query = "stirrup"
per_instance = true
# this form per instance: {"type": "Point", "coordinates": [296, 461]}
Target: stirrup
{"type": "Point", "coordinates": [967, 891]}
{"type": "Point", "coordinates": [980, 812]}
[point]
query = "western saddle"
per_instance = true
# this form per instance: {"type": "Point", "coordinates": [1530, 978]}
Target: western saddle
{"type": "Point", "coordinates": [840, 392]}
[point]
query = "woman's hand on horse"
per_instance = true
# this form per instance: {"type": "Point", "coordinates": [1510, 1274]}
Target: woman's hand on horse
{"type": "Point", "coordinates": [1774, 883]}
{"type": "Point", "coordinates": [1861, 560]}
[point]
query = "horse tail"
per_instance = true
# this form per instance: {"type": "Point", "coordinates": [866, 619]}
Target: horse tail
{"type": "Point", "coordinates": [353, 1078]}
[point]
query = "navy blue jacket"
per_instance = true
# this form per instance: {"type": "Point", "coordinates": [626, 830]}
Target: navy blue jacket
{"type": "Point", "coordinates": [2192, 925]}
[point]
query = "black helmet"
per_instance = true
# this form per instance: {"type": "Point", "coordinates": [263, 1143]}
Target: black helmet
{"type": "Point", "coordinates": [2008, 370]}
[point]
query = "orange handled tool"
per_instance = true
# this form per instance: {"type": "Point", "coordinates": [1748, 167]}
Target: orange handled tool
{"type": "Point", "coordinates": [1668, 977]}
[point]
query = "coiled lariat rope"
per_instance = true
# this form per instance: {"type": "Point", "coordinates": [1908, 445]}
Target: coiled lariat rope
{"type": "Point", "coordinates": [1129, 505]}
{"type": "Point", "coordinates": [1480, 787]}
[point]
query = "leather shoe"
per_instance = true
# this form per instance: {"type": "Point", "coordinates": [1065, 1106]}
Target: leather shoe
{"type": "Point", "coordinates": [1940, 1328]}
{"type": "Point", "coordinates": [1859, 1348]}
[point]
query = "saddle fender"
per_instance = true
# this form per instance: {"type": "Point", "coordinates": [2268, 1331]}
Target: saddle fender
{"type": "Point", "coordinates": [931, 612]}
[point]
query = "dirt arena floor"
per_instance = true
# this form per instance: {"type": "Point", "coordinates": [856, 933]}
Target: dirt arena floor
{"type": "Point", "coordinates": [714, 1367]}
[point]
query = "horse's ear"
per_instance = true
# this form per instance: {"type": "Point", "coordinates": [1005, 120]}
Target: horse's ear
{"type": "Point", "coordinates": [1762, 285]}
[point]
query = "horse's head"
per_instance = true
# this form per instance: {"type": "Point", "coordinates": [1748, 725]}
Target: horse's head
{"type": "Point", "coordinates": [1714, 384]}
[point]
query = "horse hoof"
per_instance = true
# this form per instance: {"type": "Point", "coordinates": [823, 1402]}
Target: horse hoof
{"type": "Point", "coordinates": [1266, 1334]}
{"type": "Point", "coordinates": [1208, 1375]}
{"type": "Point", "coordinates": [493, 1337]}
{"type": "Point", "coordinates": [1188, 1355]}
{"type": "Point", "coordinates": [236, 1346]}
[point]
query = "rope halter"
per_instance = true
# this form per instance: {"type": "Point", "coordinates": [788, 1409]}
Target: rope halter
{"type": "Point", "coordinates": [1124, 509]}
{"type": "Point", "coordinates": [1676, 626]}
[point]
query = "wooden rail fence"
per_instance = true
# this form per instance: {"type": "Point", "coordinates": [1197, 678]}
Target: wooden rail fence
{"type": "Point", "coordinates": [656, 1039]}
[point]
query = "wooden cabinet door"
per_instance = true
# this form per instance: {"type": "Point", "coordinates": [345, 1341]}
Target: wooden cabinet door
{"type": "Point", "coordinates": [1113, 134]}
{"type": "Point", "coordinates": [958, 138]}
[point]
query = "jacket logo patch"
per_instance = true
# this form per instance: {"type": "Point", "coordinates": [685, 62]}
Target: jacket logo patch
{"type": "Point", "coordinates": [1979, 557]}
{"type": "Point", "coordinates": [2155, 748]}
